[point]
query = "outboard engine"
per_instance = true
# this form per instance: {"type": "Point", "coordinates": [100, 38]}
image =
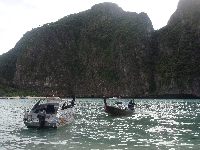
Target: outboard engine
{"type": "Point", "coordinates": [41, 116]}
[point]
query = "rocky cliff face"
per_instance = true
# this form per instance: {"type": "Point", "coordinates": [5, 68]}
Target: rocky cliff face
{"type": "Point", "coordinates": [107, 51]}
{"type": "Point", "coordinates": [177, 63]}
{"type": "Point", "coordinates": [187, 12]}
{"type": "Point", "coordinates": [102, 51]}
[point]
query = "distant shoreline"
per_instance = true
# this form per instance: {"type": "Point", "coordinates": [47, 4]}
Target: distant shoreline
{"type": "Point", "coordinates": [164, 96]}
{"type": "Point", "coordinates": [17, 97]}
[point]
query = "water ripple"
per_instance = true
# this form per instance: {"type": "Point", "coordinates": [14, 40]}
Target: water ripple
{"type": "Point", "coordinates": [156, 124]}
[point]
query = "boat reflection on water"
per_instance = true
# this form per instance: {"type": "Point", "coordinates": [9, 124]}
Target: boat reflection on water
{"type": "Point", "coordinates": [120, 110]}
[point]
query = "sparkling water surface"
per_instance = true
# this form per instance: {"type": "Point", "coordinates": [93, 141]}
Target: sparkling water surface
{"type": "Point", "coordinates": [156, 124]}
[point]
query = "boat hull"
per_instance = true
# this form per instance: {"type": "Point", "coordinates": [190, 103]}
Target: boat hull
{"type": "Point", "coordinates": [117, 111]}
{"type": "Point", "coordinates": [50, 121]}
{"type": "Point", "coordinates": [36, 124]}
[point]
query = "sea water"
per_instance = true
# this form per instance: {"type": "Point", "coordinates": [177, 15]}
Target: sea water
{"type": "Point", "coordinates": [156, 124]}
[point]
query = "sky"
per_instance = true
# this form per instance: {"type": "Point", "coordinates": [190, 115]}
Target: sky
{"type": "Point", "coordinates": [19, 16]}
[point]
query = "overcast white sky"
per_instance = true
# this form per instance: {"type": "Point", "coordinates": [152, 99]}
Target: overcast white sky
{"type": "Point", "coordinates": [19, 16]}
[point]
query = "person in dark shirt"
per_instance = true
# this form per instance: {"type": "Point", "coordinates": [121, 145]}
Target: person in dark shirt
{"type": "Point", "coordinates": [72, 103]}
{"type": "Point", "coordinates": [131, 105]}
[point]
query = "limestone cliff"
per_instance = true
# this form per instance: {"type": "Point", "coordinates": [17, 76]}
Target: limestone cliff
{"type": "Point", "coordinates": [104, 50]}
{"type": "Point", "coordinates": [107, 51]}
{"type": "Point", "coordinates": [177, 61]}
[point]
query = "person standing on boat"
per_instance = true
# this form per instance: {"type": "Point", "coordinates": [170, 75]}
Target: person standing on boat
{"type": "Point", "coordinates": [105, 104]}
{"type": "Point", "coordinates": [73, 100]}
{"type": "Point", "coordinates": [72, 103]}
{"type": "Point", "coordinates": [131, 105]}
